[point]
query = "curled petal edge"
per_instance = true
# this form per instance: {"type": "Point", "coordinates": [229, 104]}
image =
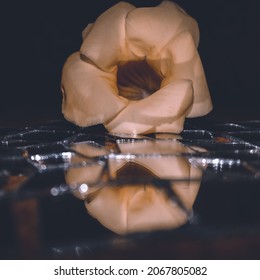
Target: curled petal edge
{"type": "Point", "coordinates": [163, 111]}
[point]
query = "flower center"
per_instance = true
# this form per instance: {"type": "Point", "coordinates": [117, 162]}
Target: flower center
{"type": "Point", "coordinates": [137, 80]}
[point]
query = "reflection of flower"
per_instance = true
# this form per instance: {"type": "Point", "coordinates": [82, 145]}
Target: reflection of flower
{"type": "Point", "coordinates": [136, 203]}
{"type": "Point", "coordinates": [138, 71]}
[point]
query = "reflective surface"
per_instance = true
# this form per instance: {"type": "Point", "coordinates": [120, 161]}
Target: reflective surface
{"type": "Point", "coordinates": [69, 192]}
{"type": "Point", "coordinates": [142, 185]}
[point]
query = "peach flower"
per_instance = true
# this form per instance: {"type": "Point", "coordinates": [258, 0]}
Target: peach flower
{"type": "Point", "coordinates": [138, 71]}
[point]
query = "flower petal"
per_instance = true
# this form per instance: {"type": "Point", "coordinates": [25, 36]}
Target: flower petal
{"type": "Point", "coordinates": [180, 60]}
{"type": "Point", "coordinates": [150, 29]}
{"type": "Point", "coordinates": [90, 95]}
{"type": "Point", "coordinates": [163, 111]}
{"type": "Point", "coordinates": [105, 43]}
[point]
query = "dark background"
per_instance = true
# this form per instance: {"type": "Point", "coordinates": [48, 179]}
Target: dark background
{"type": "Point", "coordinates": [37, 38]}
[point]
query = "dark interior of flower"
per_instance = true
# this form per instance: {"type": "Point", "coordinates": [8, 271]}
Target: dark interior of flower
{"type": "Point", "coordinates": [137, 80]}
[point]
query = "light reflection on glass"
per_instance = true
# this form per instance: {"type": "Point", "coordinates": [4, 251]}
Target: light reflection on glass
{"type": "Point", "coordinates": [90, 149]}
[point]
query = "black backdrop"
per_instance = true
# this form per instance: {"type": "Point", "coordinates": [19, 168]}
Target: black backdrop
{"type": "Point", "coordinates": [38, 37]}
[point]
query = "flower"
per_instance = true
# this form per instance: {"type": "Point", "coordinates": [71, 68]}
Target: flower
{"type": "Point", "coordinates": [138, 71]}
